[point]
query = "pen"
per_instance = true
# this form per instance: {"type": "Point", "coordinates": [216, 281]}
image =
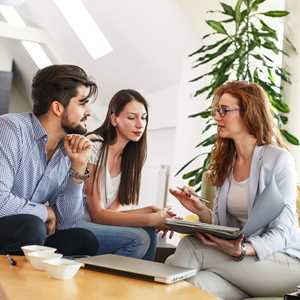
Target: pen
{"type": "Point", "coordinates": [195, 194]}
{"type": "Point", "coordinates": [11, 261]}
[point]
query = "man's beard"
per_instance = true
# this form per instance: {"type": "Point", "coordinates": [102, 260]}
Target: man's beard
{"type": "Point", "coordinates": [69, 129]}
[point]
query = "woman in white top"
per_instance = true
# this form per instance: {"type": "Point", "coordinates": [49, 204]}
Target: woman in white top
{"type": "Point", "coordinates": [115, 166]}
{"type": "Point", "coordinates": [256, 181]}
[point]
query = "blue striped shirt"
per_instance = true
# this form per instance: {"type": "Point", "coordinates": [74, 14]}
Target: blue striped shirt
{"type": "Point", "coordinates": [28, 182]}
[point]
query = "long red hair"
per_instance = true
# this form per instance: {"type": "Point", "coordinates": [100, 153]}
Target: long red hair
{"type": "Point", "coordinates": [256, 115]}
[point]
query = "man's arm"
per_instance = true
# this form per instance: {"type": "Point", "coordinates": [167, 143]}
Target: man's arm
{"type": "Point", "coordinates": [10, 161]}
{"type": "Point", "coordinates": [68, 205]}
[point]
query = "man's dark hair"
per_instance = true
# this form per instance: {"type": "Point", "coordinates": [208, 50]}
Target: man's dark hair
{"type": "Point", "coordinates": [59, 83]}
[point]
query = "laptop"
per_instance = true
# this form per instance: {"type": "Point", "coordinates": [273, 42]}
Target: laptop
{"type": "Point", "coordinates": [138, 268]}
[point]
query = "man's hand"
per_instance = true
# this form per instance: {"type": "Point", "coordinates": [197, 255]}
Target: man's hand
{"type": "Point", "coordinates": [78, 149]}
{"type": "Point", "coordinates": [51, 221]}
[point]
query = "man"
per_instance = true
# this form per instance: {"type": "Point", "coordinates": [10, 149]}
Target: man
{"type": "Point", "coordinates": [43, 160]}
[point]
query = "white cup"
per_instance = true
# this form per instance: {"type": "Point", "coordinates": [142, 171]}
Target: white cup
{"type": "Point", "coordinates": [37, 258]}
{"type": "Point", "coordinates": [34, 248]}
{"type": "Point", "coordinates": [62, 268]}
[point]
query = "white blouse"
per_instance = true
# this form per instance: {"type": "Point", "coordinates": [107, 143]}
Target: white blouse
{"type": "Point", "coordinates": [238, 200]}
{"type": "Point", "coordinates": [110, 191]}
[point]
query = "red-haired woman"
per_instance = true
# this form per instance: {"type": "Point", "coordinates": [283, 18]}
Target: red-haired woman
{"type": "Point", "coordinates": [256, 181]}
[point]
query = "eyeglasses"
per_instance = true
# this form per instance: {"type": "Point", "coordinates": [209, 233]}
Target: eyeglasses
{"type": "Point", "coordinates": [222, 111]}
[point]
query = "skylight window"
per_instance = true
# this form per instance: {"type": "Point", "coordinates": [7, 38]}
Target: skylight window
{"type": "Point", "coordinates": [34, 49]}
{"type": "Point", "coordinates": [37, 53]}
{"type": "Point", "coordinates": [84, 27]}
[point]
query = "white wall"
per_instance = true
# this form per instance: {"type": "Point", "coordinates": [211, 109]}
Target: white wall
{"type": "Point", "coordinates": [163, 110]}
{"type": "Point", "coordinates": [6, 57]}
{"type": "Point", "coordinates": [292, 91]}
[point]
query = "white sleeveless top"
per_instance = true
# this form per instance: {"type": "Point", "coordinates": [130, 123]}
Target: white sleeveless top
{"type": "Point", "coordinates": [110, 192]}
{"type": "Point", "coordinates": [238, 200]}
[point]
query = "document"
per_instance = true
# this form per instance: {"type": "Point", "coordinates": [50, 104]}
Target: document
{"type": "Point", "coordinates": [224, 232]}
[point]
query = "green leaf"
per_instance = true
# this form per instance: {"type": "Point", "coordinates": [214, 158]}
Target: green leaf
{"type": "Point", "coordinates": [228, 20]}
{"type": "Point", "coordinates": [290, 137]}
{"type": "Point", "coordinates": [285, 76]}
{"type": "Point", "coordinates": [191, 173]}
{"type": "Point", "coordinates": [200, 77]}
{"type": "Point", "coordinates": [241, 68]}
{"type": "Point", "coordinates": [276, 13]}
{"type": "Point", "coordinates": [271, 46]}
{"type": "Point", "coordinates": [271, 77]}
{"type": "Point", "coordinates": [255, 4]}
{"type": "Point", "coordinates": [268, 58]}
{"type": "Point", "coordinates": [208, 126]}
{"type": "Point", "coordinates": [244, 13]}
{"type": "Point", "coordinates": [217, 82]}
{"type": "Point", "coordinates": [209, 141]}
{"type": "Point", "coordinates": [227, 9]}
{"type": "Point", "coordinates": [197, 179]}
{"type": "Point", "coordinates": [217, 26]}
{"type": "Point", "coordinates": [188, 163]}
{"type": "Point", "coordinates": [208, 35]}
{"type": "Point", "coordinates": [208, 57]}
{"type": "Point", "coordinates": [203, 114]}
{"type": "Point", "coordinates": [284, 119]}
{"type": "Point", "coordinates": [238, 16]}
{"type": "Point", "coordinates": [281, 106]}
{"type": "Point", "coordinates": [265, 27]}
{"type": "Point", "coordinates": [199, 92]}
{"type": "Point", "coordinates": [206, 162]}
{"type": "Point", "coordinates": [209, 47]}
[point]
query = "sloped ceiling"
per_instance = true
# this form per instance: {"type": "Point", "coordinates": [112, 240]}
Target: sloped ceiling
{"type": "Point", "coordinates": [149, 40]}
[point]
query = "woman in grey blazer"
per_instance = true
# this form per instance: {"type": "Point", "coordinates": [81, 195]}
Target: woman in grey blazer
{"type": "Point", "coordinates": [256, 181]}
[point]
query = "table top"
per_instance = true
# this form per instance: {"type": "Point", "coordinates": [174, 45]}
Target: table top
{"type": "Point", "coordinates": [24, 282]}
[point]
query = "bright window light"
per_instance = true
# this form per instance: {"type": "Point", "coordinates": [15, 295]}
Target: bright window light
{"type": "Point", "coordinates": [39, 56]}
{"type": "Point", "coordinates": [85, 27]}
{"type": "Point", "coordinates": [11, 16]}
{"type": "Point", "coordinates": [35, 50]}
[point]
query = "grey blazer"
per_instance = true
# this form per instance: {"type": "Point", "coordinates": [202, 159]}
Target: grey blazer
{"type": "Point", "coordinates": [272, 224]}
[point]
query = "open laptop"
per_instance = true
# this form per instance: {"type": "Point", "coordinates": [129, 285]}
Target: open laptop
{"type": "Point", "coordinates": [137, 268]}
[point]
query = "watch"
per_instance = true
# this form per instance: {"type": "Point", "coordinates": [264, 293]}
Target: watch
{"type": "Point", "coordinates": [80, 176]}
{"type": "Point", "coordinates": [243, 252]}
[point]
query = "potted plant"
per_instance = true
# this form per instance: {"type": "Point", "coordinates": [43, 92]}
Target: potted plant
{"type": "Point", "coordinates": [241, 47]}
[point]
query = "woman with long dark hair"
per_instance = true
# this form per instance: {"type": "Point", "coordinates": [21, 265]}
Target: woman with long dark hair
{"type": "Point", "coordinates": [256, 191]}
{"type": "Point", "coordinates": [120, 147]}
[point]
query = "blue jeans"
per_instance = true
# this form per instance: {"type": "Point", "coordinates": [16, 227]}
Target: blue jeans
{"type": "Point", "coordinates": [127, 241]}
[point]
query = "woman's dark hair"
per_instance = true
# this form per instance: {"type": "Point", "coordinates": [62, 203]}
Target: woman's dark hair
{"type": "Point", "coordinates": [59, 83]}
{"type": "Point", "coordinates": [134, 153]}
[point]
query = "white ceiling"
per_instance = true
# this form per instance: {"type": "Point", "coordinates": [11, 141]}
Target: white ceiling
{"type": "Point", "coordinates": [149, 40]}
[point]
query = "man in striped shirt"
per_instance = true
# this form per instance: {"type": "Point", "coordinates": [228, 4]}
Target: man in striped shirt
{"type": "Point", "coordinates": [43, 160]}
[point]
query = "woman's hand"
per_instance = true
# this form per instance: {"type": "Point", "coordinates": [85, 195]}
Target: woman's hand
{"type": "Point", "coordinates": [159, 218]}
{"type": "Point", "coordinates": [189, 201]}
{"type": "Point", "coordinates": [159, 221]}
{"type": "Point", "coordinates": [231, 247]}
